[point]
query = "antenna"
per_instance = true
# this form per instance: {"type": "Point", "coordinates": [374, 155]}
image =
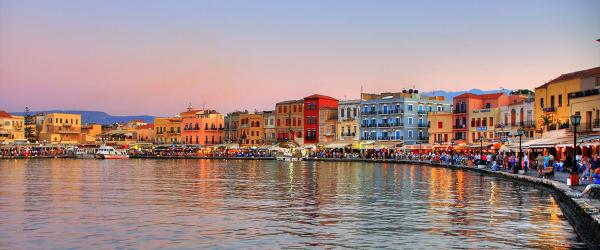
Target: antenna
{"type": "Point", "coordinates": [203, 105]}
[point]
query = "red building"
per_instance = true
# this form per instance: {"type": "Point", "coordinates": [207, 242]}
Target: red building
{"type": "Point", "coordinates": [312, 105]}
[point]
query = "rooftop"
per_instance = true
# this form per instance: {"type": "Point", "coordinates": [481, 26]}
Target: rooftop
{"type": "Point", "coordinates": [573, 75]}
{"type": "Point", "coordinates": [317, 96]}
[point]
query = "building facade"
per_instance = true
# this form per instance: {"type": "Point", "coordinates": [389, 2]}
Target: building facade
{"type": "Point", "coordinates": [202, 127]}
{"type": "Point", "coordinates": [59, 128]}
{"type": "Point", "coordinates": [468, 106]}
{"type": "Point", "coordinates": [167, 130]}
{"type": "Point", "coordinates": [553, 100]}
{"type": "Point", "coordinates": [401, 116]}
{"type": "Point", "coordinates": [348, 125]}
{"type": "Point", "coordinates": [519, 114]}
{"type": "Point", "coordinates": [11, 127]}
{"type": "Point", "coordinates": [232, 125]}
{"type": "Point", "coordinates": [289, 120]}
{"type": "Point", "coordinates": [314, 119]}
{"type": "Point", "coordinates": [440, 127]}
{"type": "Point", "coordinates": [269, 129]}
{"type": "Point", "coordinates": [251, 129]}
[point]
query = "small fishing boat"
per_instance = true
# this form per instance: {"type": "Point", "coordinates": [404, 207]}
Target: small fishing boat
{"type": "Point", "coordinates": [108, 152]}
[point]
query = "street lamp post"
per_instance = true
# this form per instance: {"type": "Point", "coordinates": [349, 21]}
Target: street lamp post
{"type": "Point", "coordinates": [451, 152]}
{"type": "Point", "coordinates": [574, 176]}
{"type": "Point", "coordinates": [481, 151]}
{"type": "Point", "coordinates": [518, 167]}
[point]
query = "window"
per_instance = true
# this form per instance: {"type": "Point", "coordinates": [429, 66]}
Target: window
{"type": "Point", "coordinates": [440, 124]}
{"type": "Point", "coordinates": [552, 101]}
{"type": "Point", "coordinates": [410, 120]}
{"type": "Point", "coordinates": [472, 122]}
{"type": "Point", "coordinates": [410, 134]}
{"type": "Point", "coordinates": [491, 121]}
{"type": "Point", "coordinates": [542, 102]}
{"type": "Point", "coordinates": [278, 123]}
{"type": "Point", "coordinates": [560, 100]}
{"type": "Point", "coordinates": [354, 111]}
{"type": "Point", "coordinates": [410, 107]}
{"type": "Point", "coordinates": [342, 112]}
{"type": "Point", "coordinates": [440, 108]}
{"type": "Point", "coordinates": [294, 108]}
{"type": "Point", "coordinates": [284, 109]}
{"type": "Point", "coordinates": [488, 105]}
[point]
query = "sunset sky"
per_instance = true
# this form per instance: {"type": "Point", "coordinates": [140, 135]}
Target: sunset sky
{"type": "Point", "coordinates": [155, 57]}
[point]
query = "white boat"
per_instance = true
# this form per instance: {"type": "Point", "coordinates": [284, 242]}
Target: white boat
{"type": "Point", "coordinates": [82, 153]}
{"type": "Point", "coordinates": [108, 152]}
{"type": "Point", "coordinates": [287, 156]}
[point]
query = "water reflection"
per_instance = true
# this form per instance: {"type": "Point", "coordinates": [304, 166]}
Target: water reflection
{"type": "Point", "coordinates": [265, 204]}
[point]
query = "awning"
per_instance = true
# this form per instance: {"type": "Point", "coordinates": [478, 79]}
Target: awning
{"type": "Point", "coordinates": [338, 145]}
{"type": "Point", "coordinates": [387, 144]}
{"type": "Point", "coordinates": [309, 146]}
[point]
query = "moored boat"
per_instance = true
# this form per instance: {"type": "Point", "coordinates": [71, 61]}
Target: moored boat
{"type": "Point", "coordinates": [108, 152]}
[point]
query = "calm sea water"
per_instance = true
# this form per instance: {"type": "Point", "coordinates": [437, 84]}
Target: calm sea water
{"type": "Point", "coordinates": [66, 203]}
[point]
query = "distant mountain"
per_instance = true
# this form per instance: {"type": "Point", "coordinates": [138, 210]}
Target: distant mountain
{"type": "Point", "coordinates": [96, 116]}
{"type": "Point", "coordinates": [451, 94]}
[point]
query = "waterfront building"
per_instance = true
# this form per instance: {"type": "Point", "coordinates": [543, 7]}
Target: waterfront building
{"type": "Point", "coordinates": [328, 118]}
{"type": "Point", "coordinates": [145, 133]}
{"type": "Point", "coordinates": [90, 133]}
{"type": "Point", "coordinates": [348, 125]}
{"type": "Point", "coordinates": [470, 108]}
{"type": "Point", "coordinates": [59, 128]}
{"type": "Point", "coordinates": [553, 100]}
{"type": "Point", "coordinates": [11, 127]}
{"type": "Point", "coordinates": [232, 124]}
{"type": "Point", "coordinates": [167, 130]}
{"type": "Point", "coordinates": [251, 129]}
{"type": "Point", "coordinates": [289, 120]}
{"type": "Point", "coordinates": [401, 117]}
{"type": "Point", "coordinates": [440, 127]}
{"type": "Point", "coordinates": [518, 114]}
{"type": "Point", "coordinates": [269, 129]}
{"type": "Point", "coordinates": [482, 124]}
{"type": "Point", "coordinates": [320, 112]}
{"type": "Point", "coordinates": [201, 127]}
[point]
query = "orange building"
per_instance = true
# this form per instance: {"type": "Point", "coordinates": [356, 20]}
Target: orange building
{"type": "Point", "coordinates": [202, 127]}
{"type": "Point", "coordinates": [251, 129]}
{"type": "Point", "coordinates": [289, 117]}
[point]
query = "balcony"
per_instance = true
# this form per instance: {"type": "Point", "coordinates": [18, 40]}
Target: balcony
{"type": "Point", "coordinates": [384, 125]}
{"type": "Point", "coordinates": [580, 94]}
{"type": "Point", "coordinates": [456, 111]}
{"type": "Point", "coordinates": [368, 138]}
{"type": "Point", "coordinates": [549, 109]}
{"type": "Point", "coordinates": [459, 126]}
{"type": "Point", "coordinates": [348, 134]}
{"type": "Point", "coordinates": [422, 125]}
{"type": "Point", "coordinates": [422, 112]}
{"type": "Point", "coordinates": [67, 130]}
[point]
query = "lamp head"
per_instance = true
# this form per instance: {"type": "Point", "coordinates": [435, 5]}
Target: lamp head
{"type": "Point", "coordinates": [521, 131]}
{"type": "Point", "coordinates": [576, 119]}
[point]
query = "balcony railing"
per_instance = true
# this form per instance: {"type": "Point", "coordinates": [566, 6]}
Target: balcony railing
{"type": "Point", "coordinates": [458, 111]}
{"type": "Point", "coordinates": [549, 109]}
{"type": "Point", "coordinates": [348, 134]}
{"type": "Point", "coordinates": [459, 126]}
{"type": "Point", "coordinates": [589, 92]}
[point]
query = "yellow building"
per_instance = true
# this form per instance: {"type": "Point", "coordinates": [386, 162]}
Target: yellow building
{"type": "Point", "coordinates": [167, 130]}
{"type": "Point", "coordinates": [440, 127]}
{"type": "Point", "coordinates": [483, 123]}
{"type": "Point", "coordinates": [251, 129]}
{"type": "Point", "coordinates": [90, 133]}
{"type": "Point", "coordinates": [11, 127]}
{"type": "Point", "coordinates": [552, 102]}
{"type": "Point", "coordinates": [587, 104]}
{"type": "Point", "coordinates": [60, 128]}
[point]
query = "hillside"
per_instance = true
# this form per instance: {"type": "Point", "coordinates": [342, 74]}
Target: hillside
{"type": "Point", "coordinates": [96, 116]}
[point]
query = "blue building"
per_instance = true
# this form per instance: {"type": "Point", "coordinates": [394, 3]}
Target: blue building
{"type": "Point", "coordinates": [399, 116]}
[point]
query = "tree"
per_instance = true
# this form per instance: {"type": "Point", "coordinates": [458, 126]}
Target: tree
{"type": "Point", "coordinates": [546, 122]}
{"type": "Point", "coordinates": [29, 135]}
